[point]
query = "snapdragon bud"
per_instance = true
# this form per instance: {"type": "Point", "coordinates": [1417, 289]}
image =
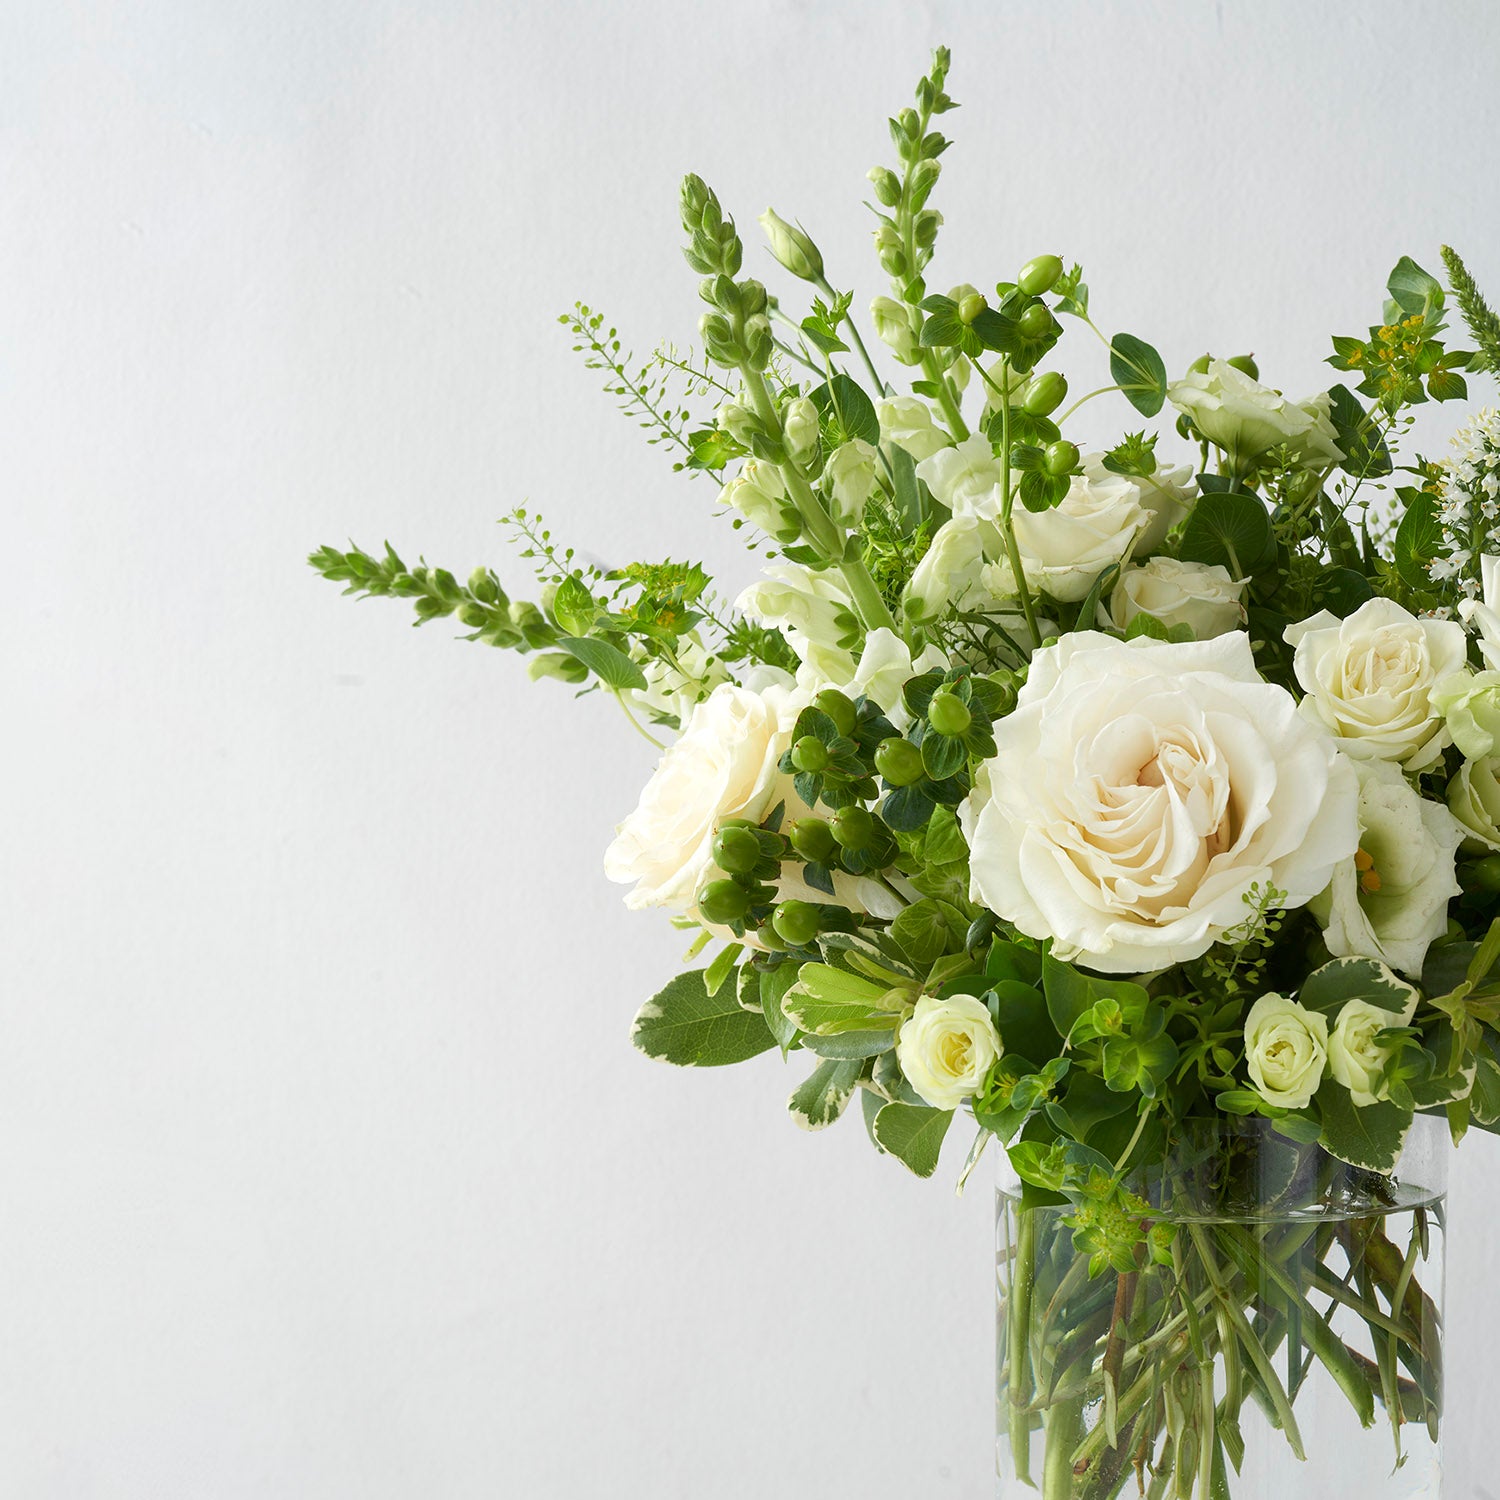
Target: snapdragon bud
{"type": "Point", "coordinates": [929, 221]}
{"type": "Point", "coordinates": [738, 420]}
{"type": "Point", "coordinates": [801, 423]}
{"type": "Point", "coordinates": [792, 247]}
{"type": "Point", "coordinates": [557, 664]}
{"type": "Point", "coordinates": [759, 495]}
{"type": "Point", "coordinates": [887, 185]}
{"type": "Point", "coordinates": [486, 587]}
{"type": "Point", "coordinates": [924, 178]}
{"type": "Point", "coordinates": [893, 328]}
{"type": "Point", "coordinates": [889, 249]}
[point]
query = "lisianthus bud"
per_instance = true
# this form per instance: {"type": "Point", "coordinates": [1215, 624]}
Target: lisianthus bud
{"type": "Point", "coordinates": [893, 327]}
{"type": "Point", "coordinates": [801, 422]}
{"type": "Point", "coordinates": [792, 247]}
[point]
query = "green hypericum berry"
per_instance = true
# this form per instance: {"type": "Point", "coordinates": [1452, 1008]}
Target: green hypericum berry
{"type": "Point", "coordinates": [810, 754]}
{"type": "Point", "coordinates": [1060, 457]}
{"type": "Point", "coordinates": [797, 922]}
{"type": "Point", "coordinates": [813, 839]}
{"type": "Point", "coordinates": [1200, 365]}
{"type": "Point", "coordinates": [949, 714]}
{"type": "Point", "coordinates": [1047, 392]}
{"type": "Point", "coordinates": [899, 761]}
{"type": "Point", "coordinates": [853, 827]}
{"type": "Point", "coordinates": [1245, 364]}
{"type": "Point", "coordinates": [839, 707]}
{"type": "Point", "coordinates": [736, 850]}
{"type": "Point", "coordinates": [723, 901]}
{"type": "Point", "coordinates": [1481, 877]}
{"type": "Point", "coordinates": [970, 307]}
{"type": "Point", "coordinates": [1036, 322]}
{"type": "Point", "coordinates": [1039, 275]}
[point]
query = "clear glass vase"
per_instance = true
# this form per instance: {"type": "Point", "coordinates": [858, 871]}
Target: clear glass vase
{"type": "Point", "coordinates": [1289, 1349]}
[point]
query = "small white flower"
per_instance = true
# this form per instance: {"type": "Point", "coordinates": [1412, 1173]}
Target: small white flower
{"type": "Point", "coordinates": [947, 1048]}
{"type": "Point", "coordinates": [759, 495]}
{"type": "Point", "coordinates": [1286, 1050]}
{"type": "Point", "coordinates": [951, 570]}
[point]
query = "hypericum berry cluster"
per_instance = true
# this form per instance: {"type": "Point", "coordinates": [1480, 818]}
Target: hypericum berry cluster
{"type": "Point", "coordinates": [1469, 503]}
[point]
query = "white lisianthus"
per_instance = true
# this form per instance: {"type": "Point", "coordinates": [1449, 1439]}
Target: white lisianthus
{"type": "Point", "coordinates": [1165, 495]}
{"type": "Point", "coordinates": [1355, 1058]}
{"type": "Point", "coordinates": [946, 1049]}
{"type": "Point", "coordinates": [1141, 790]}
{"type": "Point", "coordinates": [811, 608]}
{"type": "Point", "coordinates": [907, 422]}
{"type": "Point", "coordinates": [1470, 705]}
{"type": "Point", "coordinates": [1248, 419]}
{"type": "Point", "coordinates": [800, 422]}
{"type": "Point", "coordinates": [1202, 597]}
{"type": "Point", "coordinates": [892, 322]}
{"type": "Point", "coordinates": [723, 766]}
{"type": "Point", "coordinates": [851, 475]}
{"type": "Point", "coordinates": [1474, 799]}
{"type": "Point", "coordinates": [758, 494]}
{"type": "Point", "coordinates": [1485, 617]}
{"type": "Point", "coordinates": [1369, 679]}
{"type": "Point", "coordinates": [1286, 1051]}
{"type": "Point", "coordinates": [1064, 549]}
{"type": "Point", "coordinates": [1390, 900]}
{"type": "Point", "coordinates": [966, 479]}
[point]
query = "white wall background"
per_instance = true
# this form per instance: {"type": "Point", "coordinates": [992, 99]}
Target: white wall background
{"type": "Point", "coordinates": [325, 1167]}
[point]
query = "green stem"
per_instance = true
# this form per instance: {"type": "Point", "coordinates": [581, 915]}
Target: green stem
{"type": "Point", "coordinates": [1007, 530]}
{"type": "Point", "coordinates": [1064, 1428]}
{"type": "Point", "coordinates": [880, 386]}
{"type": "Point", "coordinates": [1018, 1341]}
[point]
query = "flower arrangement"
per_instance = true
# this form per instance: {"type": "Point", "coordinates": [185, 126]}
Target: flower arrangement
{"type": "Point", "coordinates": [1089, 797]}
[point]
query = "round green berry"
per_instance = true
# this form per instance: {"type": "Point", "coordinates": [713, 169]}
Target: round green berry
{"type": "Point", "coordinates": [899, 761]}
{"type": "Point", "coordinates": [839, 707]}
{"type": "Point", "coordinates": [813, 839]}
{"type": "Point", "coordinates": [1245, 364]}
{"type": "Point", "coordinates": [1036, 322]}
{"type": "Point", "coordinates": [723, 902]}
{"type": "Point", "coordinates": [1039, 275]}
{"type": "Point", "coordinates": [810, 754]}
{"type": "Point", "coordinates": [736, 849]}
{"type": "Point", "coordinates": [797, 923]}
{"type": "Point", "coordinates": [949, 714]}
{"type": "Point", "coordinates": [853, 827]}
{"type": "Point", "coordinates": [1046, 394]}
{"type": "Point", "coordinates": [1060, 457]}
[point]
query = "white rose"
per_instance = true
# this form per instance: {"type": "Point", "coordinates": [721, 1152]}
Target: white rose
{"type": "Point", "coordinates": [1474, 799]}
{"type": "Point", "coordinates": [723, 766]}
{"type": "Point", "coordinates": [1286, 1049]}
{"type": "Point", "coordinates": [758, 494]}
{"type": "Point", "coordinates": [892, 322]}
{"type": "Point", "coordinates": [1470, 705]}
{"type": "Point", "coordinates": [1248, 419]}
{"type": "Point", "coordinates": [966, 479]}
{"type": "Point", "coordinates": [811, 608]}
{"type": "Point", "coordinates": [851, 475]}
{"type": "Point", "coordinates": [947, 1048]}
{"type": "Point", "coordinates": [1165, 496]}
{"type": "Point", "coordinates": [1355, 1058]}
{"type": "Point", "coordinates": [1486, 616]}
{"type": "Point", "coordinates": [1369, 679]}
{"type": "Point", "coordinates": [1390, 901]}
{"type": "Point", "coordinates": [1140, 789]}
{"type": "Point", "coordinates": [907, 422]}
{"type": "Point", "coordinates": [1204, 598]}
{"type": "Point", "coordinates": [1064, 549]}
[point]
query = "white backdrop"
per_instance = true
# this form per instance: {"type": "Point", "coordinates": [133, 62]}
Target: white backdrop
{"type": "Point", "coordinates": [326, 1169]}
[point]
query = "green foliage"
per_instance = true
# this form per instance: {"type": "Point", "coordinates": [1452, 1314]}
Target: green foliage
{"type": "Point", "coordinates": [685, 1025]}
{"type": "Point", "coordinates": [1483, 322]}
{"type": "Point", "coordinates": [913, 1134]}
{"type": "Point", "coordinates": [1139, 372]}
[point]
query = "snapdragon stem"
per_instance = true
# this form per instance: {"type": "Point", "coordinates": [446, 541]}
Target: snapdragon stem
{"type": "Point", "coordinates": [1007, 529]}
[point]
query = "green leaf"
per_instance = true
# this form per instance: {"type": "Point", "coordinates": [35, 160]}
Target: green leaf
{"type": "Point", "coordinates": [608, 663]}
{"type": "Point", "coordinates": [1139, 372]}
{"type": "Point", "coordinates": [1089, 1101]}
{"type": "Point", "coordinates": [1071, 994]}
{"type": "Point", "coordinates": [1328, 989]}
{"type": "Point", "coordinates": [945, 843]}
{"type": "Point", "coordinates": [721, 968]}
{"type": "Point", "coordinates": [685, 1025]}
{"type": "Point", "coordinates": [1340, 591]}
{"type": "Point", "coordinates": [925, 932]}
{"type": "Point", "coordinates": [1022, 1019]}
{"type": "Point", "coordinates": [1447, 385]}
{"type": "Point", "coordinates": [843, 402]}
{"type": "Point", "coordinates": [1232, 530]}
{"type": "Point", "coordinates": [850, 1044]}
{"type": "Point", "coordinates": [825, 1094]}
{"type": "Point", "coordinates": [909, 503]}
{"type": "Point", "coordinates": [828, 1001]}
{"type": "Point", "coordinates": [1419, 539]}
{"type": "Point", "coordinates": [573, 606]}
{"type": "Point", "coordinates": [907, 808]}
{"type": "Point", "coordinates": [774, 983]}
{"type": "Point", "coordinates": [1359, 439]}
{"type": "Point", "coordinates": [1412, 289]}
{"type": "Point", "coordinates": [942, 756]}
{"type": "Point", "coordinates": [1370, 1137]}
{"type": "Point", "coordinates": [913, 1133]}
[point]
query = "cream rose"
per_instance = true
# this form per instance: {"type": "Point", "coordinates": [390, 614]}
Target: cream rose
{"type": "Point", "coordinates": [1165, 496]}
{"type": "Point", "coordinates": [1140, 789]}
{"type": "Point", "coordinates": [1369, 679]}
{"type": "Point", "coordinates": [1248, 419]}
{"type": "Point", "coordinates": [1390, 901]}
{"type": "Point", "coordinates": [1202, 597]}
{"type": "Point", "coordinates": [1474, 799]}
{"type": "Point", "coordinates": [724, 766]}
{"type": "Point", "coordinates": [907, 422]}
{"type": "Point", "coordinates": [1286, 1050]}
{"type": "Point", "coordinates": [1470, 705]}
{"type": "Point", "coordinates": [1355, 1058]}
{"type": "Point", "coordinates": [947, 1048]}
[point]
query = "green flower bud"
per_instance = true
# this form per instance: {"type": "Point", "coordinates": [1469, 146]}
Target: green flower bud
{"type": "Point", "coordinates": [889, 249]}
{"type": "Point", "coordinates": [1046, 393]}
{"type": "Point", "coordinates": [1060, 457]}
{"type": "Point", "coordinates": [752, 296]}
{"type": "Point", "coordinates": [1036, 322]}
{"type": "Point", "coordinates": [911, 126]}
{"type": "Point", "coordinates": [723, 902]}
{"type": "Point", "coordinates": [532, 624]}
{"type": "Point", "coordinates": [839, 707]}
{"type": "Point", "coordinates": [1039, 275]}
{"type": "Point", "coordinates": [925, 230]}
{"type": "Point", "coordinates": [810, 754]}
{"type": "Point", "coordinates": [892, 322]}
{"type": "Point", "coordinates": [797, 923]}
{"type": "Point", "coordinates": [557, 664]}
{"type": "Point", "coordinates": [736, 850]}
{"type": "Point", "coordinates": [813, 839]}
{"type": "Point", "coordinates": [475, 616]}
{"type": "Point", "coordinates": [887, 185]}
{"type": "Point", "coordinates": [924, 178]}
{"type": "Point", "coordinates": [792, 247]}
{"type": "Point", "coordinates": [486, 587]}
{"type": "Point", "coordinates": [970, 308]}
{"type": "Point", "coordinates": [899, 761]}
{"type": "Point", "coordinates": [1007, 685]}
{"type": "Point", "coordinates": [738, 420]}
{"type": "Point", "coordinates": [801, 423]}
{"type": "Point", "coordinates": [949, 714]}
{"type": "Point", "coordinates": [1245, 364]}
{"type": "Point", "coordinates": [853, 827]}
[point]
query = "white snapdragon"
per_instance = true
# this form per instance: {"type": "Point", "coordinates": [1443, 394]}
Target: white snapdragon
{"type": "Point", "coordinates": [907, 422]}
{"type": "Point", "coordinates": [758, 494]}
{"type": "Point", "coordinates": [800, 422]}
{"type": "Point", "coordinates": [966, 479]}
{"type": "Point", "coordinates": [851, 473]}
{"type": "Point", "coordinates": [893, 326]}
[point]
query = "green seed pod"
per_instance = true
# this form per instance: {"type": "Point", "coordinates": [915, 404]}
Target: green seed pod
{"type": "Point", "coordinates": [1046, 393]}
{"type": "Point", "coordinates": [1060, 457]}
{"type": "Point", "coordinates": [797, 923]}
{"type": "Point", "coordinates": [736, 850]}
{"type": "Point", "coordinates": [813, 839]}
{"type": "Point", "coordinates": [1200, 365]}
{"type": "Point", "coordinates": [1245, 364]}
{"type": "Point", "coordinates": [723, 902]}
{"type": "Point", "coordinates": [899, 761]}
{"type": "Point", "coordinates": [949, 714]}
{"type": "Point", "coordinates": [1039, 275]}
{"type": "Point", "coordinates": [971, 307]}
{"type": "Point", "coordinates": [1036, 322]}
{"type": "Point", "coordinates": [853, 827]}
{"type": "Point", "coordinates": [810, 754]}
{"type": "Point", "coordinates": [839, 707]}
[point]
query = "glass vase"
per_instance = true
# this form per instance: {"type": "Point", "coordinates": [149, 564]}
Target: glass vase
{"type": "Point", "coordinates": [1283, 1341]}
